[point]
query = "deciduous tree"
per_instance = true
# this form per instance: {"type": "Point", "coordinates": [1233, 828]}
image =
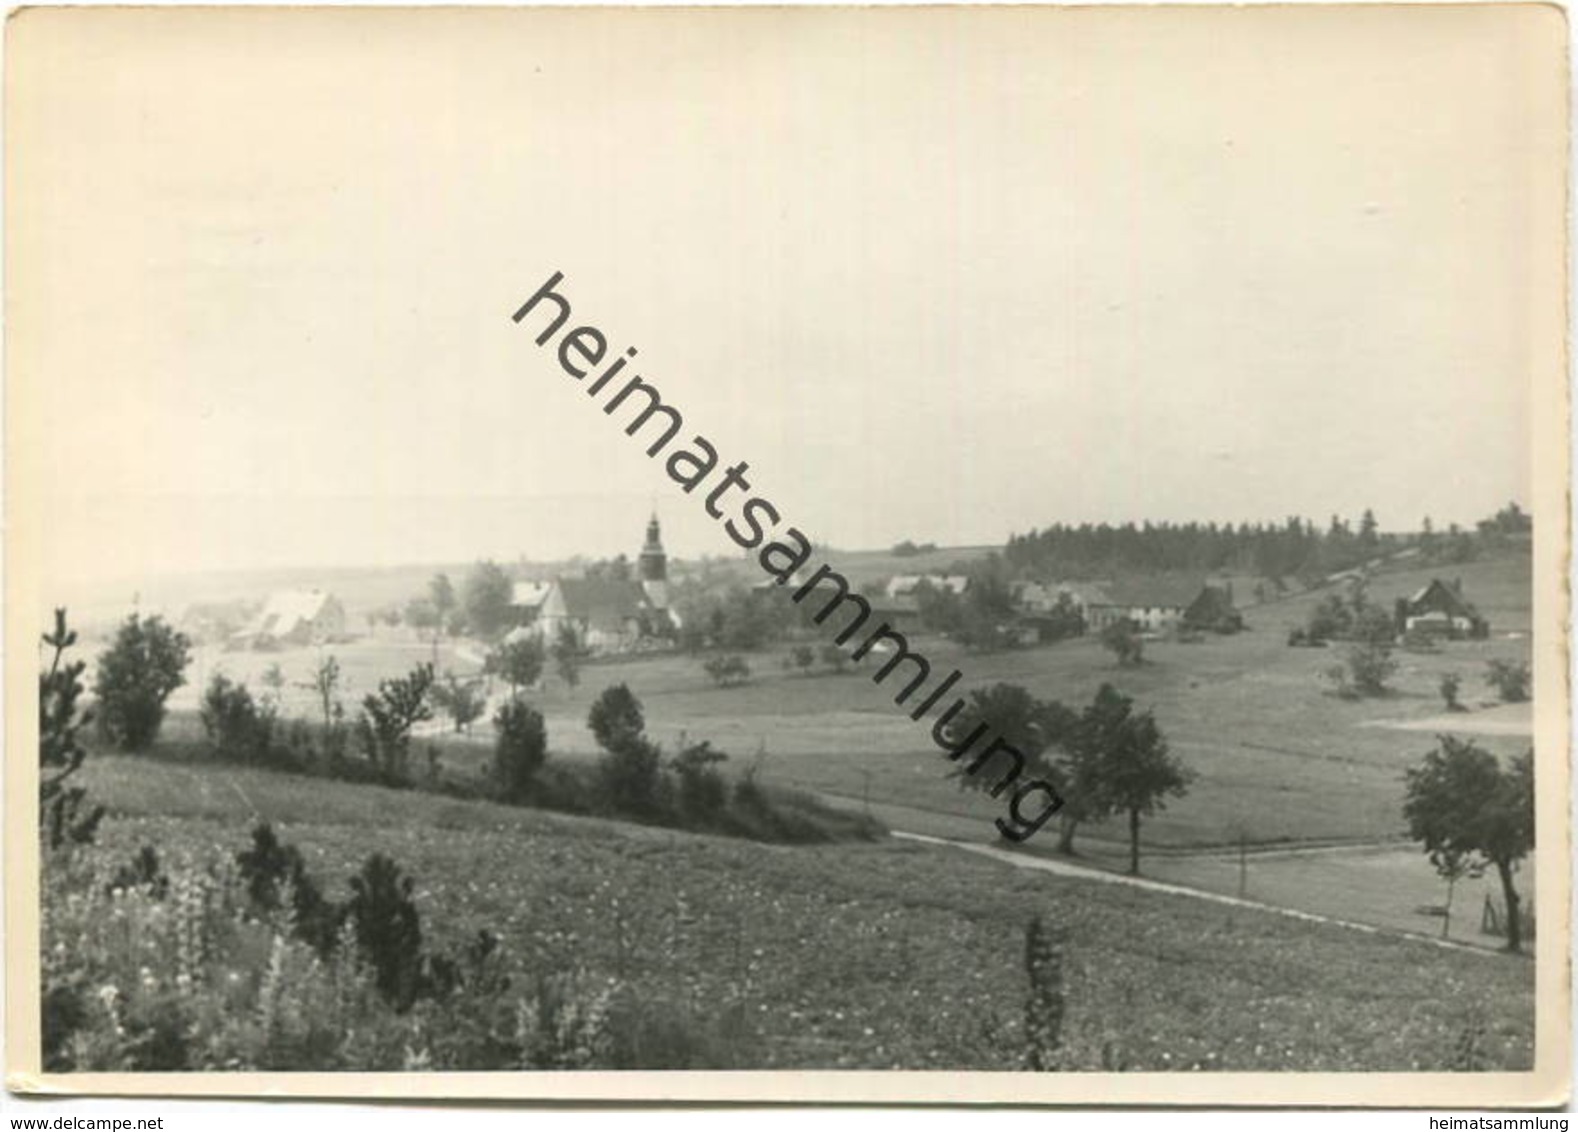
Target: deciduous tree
{"type": "Point", "coordinates": [1041, 730]}
{"type": "Point", "coordinates": [486, 598]}
{"type": "Point", "coordinates": [1133, 770]}
{"type": "Point", "coordinates": [446, 605]}
{"type": "Point", "coordinates": [325, 685]}
{"type": "Point", "coordinates": [631, 768]}
{"type": "Point", "coordinates": [1469, 809]}
{"type": "Point", "coordinates": [388, 717]}
{"type": "Point", "coordinates": [145, 663]}
{"type": "Point", "coordinates": [518, 663]}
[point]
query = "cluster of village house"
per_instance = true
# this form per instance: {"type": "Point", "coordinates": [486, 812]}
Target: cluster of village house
{"type": "Point", "coordinates": [605, 614]}
{"type": "Point", "coordinates": [608, 614]}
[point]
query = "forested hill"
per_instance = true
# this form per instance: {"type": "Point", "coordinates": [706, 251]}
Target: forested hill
{"type": "Point", "coordinates": [1295, 548]}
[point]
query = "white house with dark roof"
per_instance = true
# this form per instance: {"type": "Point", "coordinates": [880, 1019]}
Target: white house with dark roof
{"type": "Point", "coordinates": [1157, 603]}
{"type": "Point", "coordinates": [1441, 609]}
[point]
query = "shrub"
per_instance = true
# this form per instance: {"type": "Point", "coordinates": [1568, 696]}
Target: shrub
{"type": "Point", "coordinates": [801, 657]}
{"type": "Point", "coordinates": [519, 751]}
{"type": "Point", "coordinates": [645, 1032]}
{"type": "Point", "coordinates": [1364, 671]}
{"type": "Point", "coordinates": [388, 717]}
{"type": "Point", "coordinates": [238, 728]}
{"type": "Point", "coordinates": [142, 872]}
{"type": "Point", "coordinates": [631, 775]}
{"type": "Point", "coordinates": [1331, 618]}
{"type": "Point", "coordinates": [475, 990]}
{"type": "Point", "coordinates": [726, 671]}
{"type": "Point", "coordinates": [274, 875]}
{"type": "Point", "coordinates": [213, 985]}
{"type": "Point", "coordinates": [1373, 625]}
{"type": "Point", "coordinates": [143, 665]}
{"type": "Point", "coordinates": [615, 715]}
{"type": "Point", "coordinates": [1509, 678]}
{"type": "Point", "coordinates": [1124, 642]}
{"type": "Point", "coordinates": [835, 658]}
{"type": "Point", "coordinates": [461, 700]}
{"type": "Point", "coordinates": [1372, 666]}
{"type": "Point", "coordinates": [388, 929]}
{"type": "Point", "coordinates": [702, 791]}
{"type": "Point", "coordinates": [208, 986]}
{"type": "Point", "coordinates": [564, 1023]}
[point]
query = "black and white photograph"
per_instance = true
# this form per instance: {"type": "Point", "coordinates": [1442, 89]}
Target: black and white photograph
{"type": "Point", "coordinates": [980, 555]}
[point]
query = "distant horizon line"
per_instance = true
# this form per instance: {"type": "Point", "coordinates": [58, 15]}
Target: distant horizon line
{"type": "Point", "coordinates": [135, 582]}
{"type": "Point", "coordinates": [935, 548]}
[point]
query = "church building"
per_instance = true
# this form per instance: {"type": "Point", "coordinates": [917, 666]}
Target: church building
{"type": "Point", "coordinates": [613, 614]}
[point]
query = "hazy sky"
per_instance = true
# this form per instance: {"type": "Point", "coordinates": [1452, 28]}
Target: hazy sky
{"type": "Point", "coordinates": [940, 275]}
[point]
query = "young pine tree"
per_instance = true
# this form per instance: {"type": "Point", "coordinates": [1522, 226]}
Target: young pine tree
{"type": "Point", "coordinates": [63, 815]}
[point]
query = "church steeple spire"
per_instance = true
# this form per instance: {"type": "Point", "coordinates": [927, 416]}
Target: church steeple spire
{"type": "Point", "coordinates": [654, 561]}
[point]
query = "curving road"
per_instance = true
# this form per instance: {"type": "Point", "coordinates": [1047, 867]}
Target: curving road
{"type": "Point", "coordinates": [1069, 869]}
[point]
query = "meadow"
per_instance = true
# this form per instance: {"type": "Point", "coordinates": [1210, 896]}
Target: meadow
{"type": "Point", "coordinates": [859, 956]}
{"type": "Point", "coordinates": [1282, 763]}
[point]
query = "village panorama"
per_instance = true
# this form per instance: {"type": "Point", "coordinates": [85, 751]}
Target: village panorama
{"type": "Point", "coordinates": [1256, 726]}
{"type": "Point", "coordinates": [976, 546]}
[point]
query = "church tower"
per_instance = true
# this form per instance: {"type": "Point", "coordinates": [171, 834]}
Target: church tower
{"type": "Point", "coordinates": [653, 565]}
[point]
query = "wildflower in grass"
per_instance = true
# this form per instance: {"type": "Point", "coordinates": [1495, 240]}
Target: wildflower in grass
{"type": "Point", "coordinates": [1044, 1005]}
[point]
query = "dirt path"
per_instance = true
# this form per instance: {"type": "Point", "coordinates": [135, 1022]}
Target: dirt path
{"type": "Point", "coordinates": [1069, 869]}
{"type": "Point", "coordinates": [1504, 719]}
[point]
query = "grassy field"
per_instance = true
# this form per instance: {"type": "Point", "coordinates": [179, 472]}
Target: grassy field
{"type": "Point", "coordinates": [876, 956]}
{"type": "Point", "coordinates": [1278, 756]}
{"type": "Point", "coordinates": [1280, 760]}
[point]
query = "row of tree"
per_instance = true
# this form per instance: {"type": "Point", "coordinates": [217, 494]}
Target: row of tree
{"type": "Point", "coordinates": [1104, 759]}
{"type": "Point", "coordinates": [1295, 548]}
{"type": "Point", "coordinates": [481, 607]}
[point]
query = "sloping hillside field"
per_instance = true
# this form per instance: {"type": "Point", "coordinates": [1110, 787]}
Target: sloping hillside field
{"type": "Point", "coordinates": [890, 955]}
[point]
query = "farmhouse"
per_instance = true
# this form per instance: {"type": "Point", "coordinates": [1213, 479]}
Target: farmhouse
{"type": "Point", "coordinates": [293, 617]}
{"type": "Point", "coordinates": [526, 600]}
{"type": "Point", "coordinates": [610, 614]}
{"type": "Point", "coordinates": [1037, 598]}
{"type": "Point", "coordinates": [1440, 609]}
{"type": "Point", "coordinates": [905, 585]}
{"type": "Point", "coordinates": [1159, 603]}
{"type": "Point", "coordinates": [1033, 597]}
